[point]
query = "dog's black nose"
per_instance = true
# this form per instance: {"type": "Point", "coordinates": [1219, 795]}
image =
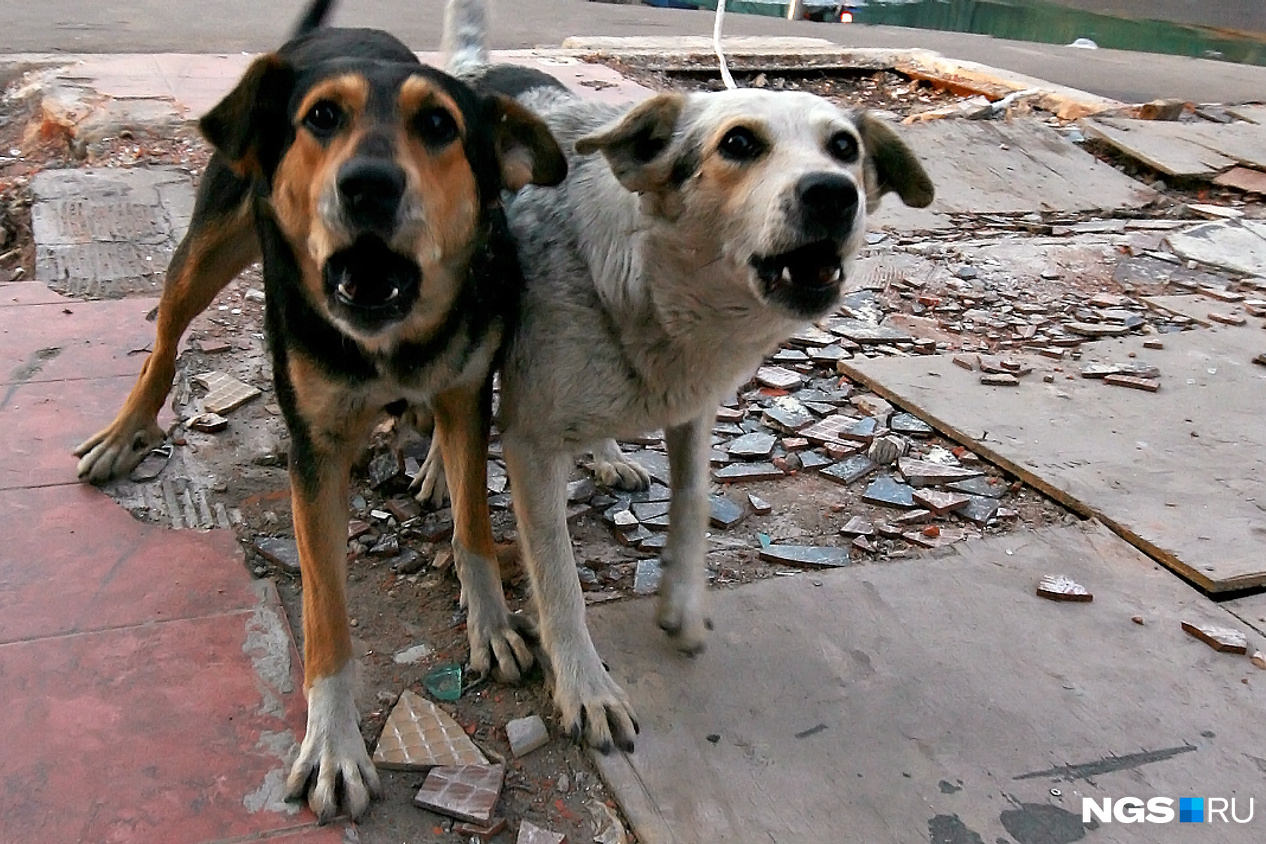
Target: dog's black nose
{"type": "Point", "coordinates": [371, 190]}
{"type": "Point", "coordinates": [828, 200]}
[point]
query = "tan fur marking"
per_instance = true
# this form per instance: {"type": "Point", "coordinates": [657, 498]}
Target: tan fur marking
{"type": "Point", "coordinates": [309, 169]}
{"type": "Point", "coordinates": [464, 444]}
{"type": "Point", "coordinates": [731, 182]}
{"type": "Point", "coordinates": [337, 425]}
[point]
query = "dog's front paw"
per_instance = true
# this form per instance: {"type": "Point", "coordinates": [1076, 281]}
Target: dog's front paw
{"type": "Point", "coordinates": [500, 645]}
{"type": "Point", "coordinates": [115, 451]}
{"type": "Point", "coordinates": [332, 760]}
{"type": "Point", "coordinates": [612, 468]}
{"type": "Point", "coordinates": [680, 614]}
{"type": "Point", "coordinates": [592, 707]}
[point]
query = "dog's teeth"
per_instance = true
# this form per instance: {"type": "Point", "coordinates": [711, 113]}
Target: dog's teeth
{"type": "Point", "coordinates": [786, 274]}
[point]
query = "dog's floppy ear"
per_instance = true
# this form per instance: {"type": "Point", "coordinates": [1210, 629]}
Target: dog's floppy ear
{"type": "Point", "coordinates": [634, 144]}
{"type": "Point", "coordinates": [249, 126]}
{"type": "Point", "coordinates": [526, 150]}
{"type": "Point", "coordinates": [891, 166]}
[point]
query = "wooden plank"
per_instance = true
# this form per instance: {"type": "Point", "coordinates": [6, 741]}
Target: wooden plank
{"type": "Point", "coordinates": [884, 703]}
{"type": "Point", "coordinates": [1189, 150]}
{"type": "Point", "coordinates": [1179, 473]}
{"type": "Point", "coordinates": [1159, 145]}
{"type": "Point", "coordinates": [995, 167]}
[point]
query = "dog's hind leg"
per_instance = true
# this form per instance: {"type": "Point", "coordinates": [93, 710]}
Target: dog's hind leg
{"type": "Point", "coordinates": [612, 468]}
{"type": "Point", "coordinates": [497, 643]}
{"type": "Point", "coordinates": [591, 705]}
{"type": "Point", "coordinates": [220, 243]}
{"type": "Point", "coordinates": [683, 584]}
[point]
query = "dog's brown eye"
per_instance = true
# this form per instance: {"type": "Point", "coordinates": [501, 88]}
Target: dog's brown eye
{"type": "Point", "coordinates": [435, 126]}
{"type": "Point", "coordinates": [323, 119]}
{"type": "Point", "coordinates": [741, 144]}
{"type": "Point", "coordinates": [843, 147]}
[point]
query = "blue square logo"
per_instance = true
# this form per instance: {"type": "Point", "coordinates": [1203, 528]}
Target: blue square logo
{"type": "Point", "coordinates": [1191, 810]}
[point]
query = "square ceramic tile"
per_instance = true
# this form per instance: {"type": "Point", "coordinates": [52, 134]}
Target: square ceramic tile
{"type": "Point", "coordinates": [418, 735]}
{"type": "Point", "coordinates": [465, 792]}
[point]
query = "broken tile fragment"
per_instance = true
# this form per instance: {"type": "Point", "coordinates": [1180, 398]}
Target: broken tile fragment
{"type": "Point", "coordinates": [650, 509]}
{"type": "Point", "coordinates": [810, 460]}
{"type": "Point", "coordinates": [646, 577]}
{"type": "Point", "coordinates": [759, 506]}
{"type": "Point", "coordinates": [207, 423]}
{"type": "Point", "coordinates": [280, 550]}
{"type": "Point", "coordinates": [1096, 329]}
{"type": "Point", "coordinates": [778, 377]}
{"type": "Point", "coordinates": [829, 429]}
{"type": "Point", "coordinates": [850, 469]}
{"type": "Point", "coordinates": [940, 502]}
{"type": "Point", "coordinates": [805, 555]}
{"type": "Point", "coordinates": [465, 792]}
{"type": "Point", "coordinates": [979, 511]}
{"type": "Point", "coordinates": [633, 538]}
{"type": "Point", "coordinates": [482, 831]}
{"type": "Point", "coordinates": [724, 514]}
{"type": "Point", "coordinates": [1059, 588]}
{"type": "Point", "coordinates": [969, 362]}
{"type": "Point", "coordinates": [858, 526]}
{"type": "Point", "coordinates": [1154, 344]}
{"type": "Point", "coordinates": [1259, 659]}
{"type": "Point", "coordinates": [224, 392]}
{"type": "Point", "coordinates": [999, 380]}
{"type": "Point", "coordinates": [910, 425]}
{"type": "Point", "coordinates": [419, 735]}
{"type": "Point", "coordinates": [788, 414]}
{"type": "Point", "coordinates": [913, 517]}
{"type": "Point", "coordinates": [526, 734]}
{"type": "Point", "coordinates": [752, 445]}
{"type": "Point", "coordinates": [866, 333]}
{"type": "Point", "coordinates": [1133, 382]}
{"type": "Point", "coordinates": [889, 492]}
{"type": "Point", "coordinates": [741, 472]}
{"type": "Point", "coordinates": [979, 486]}
{"type": "Point", "coordinates": [1223, 639]}
{"type": "Point", "coordinates": [929, 473]}
{"type": "Point", "coordinates": [1227, 319]}
{"type": "Point", "coordinates": [530, 833]}
{"type": "Point", "coordinates": [624, 520]}
{"type": "Point", "coordinates": [1099, 370]}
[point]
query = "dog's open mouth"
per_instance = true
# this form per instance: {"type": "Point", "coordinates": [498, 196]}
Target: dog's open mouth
{"type": "Point", "coordinates": [370, 282]}
{"type": "Point", "coordinates": [806, 280]}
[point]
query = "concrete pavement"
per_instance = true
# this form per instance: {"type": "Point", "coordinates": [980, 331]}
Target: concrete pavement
{"type": "Point", "coordinates": [194, 26]}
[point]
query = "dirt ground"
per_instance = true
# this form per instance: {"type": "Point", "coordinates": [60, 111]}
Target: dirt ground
{"type": "Point", "coordinates": [403, 594]}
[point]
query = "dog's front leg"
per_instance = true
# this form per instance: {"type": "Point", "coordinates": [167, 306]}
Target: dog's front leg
{"type": "Point", "coordinates": [590, 704]}
{"type": "Point", "coordinates": [683, 583]}
{"type": "Point", "coordinates": [462, 420]}
{"type": "Point", "coordinates": [332, 758]}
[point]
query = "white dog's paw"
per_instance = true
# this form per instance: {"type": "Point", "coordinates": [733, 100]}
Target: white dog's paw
{"type": "Point", "coordinates": [681, 615]}
{"type": "Point", "coordinates": [332, 760]}
{"type": "Point", "coordinates": [431, 486]}
{"type": "Point", "coordinates": [884, 450]}
{"type": "Point", "coordinates": [592, 707]}
{"type": "Point", "coordinates": [612, 468]}
{"type": "Point", "coordinates": [115, 451]}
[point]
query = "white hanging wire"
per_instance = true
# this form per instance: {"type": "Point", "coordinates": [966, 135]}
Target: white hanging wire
{"type": "Point", "coordinates": [716, 44]}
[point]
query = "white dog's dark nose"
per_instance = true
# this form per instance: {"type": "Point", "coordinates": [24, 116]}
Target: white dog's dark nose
{"type": "Point", "coordinates": [828, 204]}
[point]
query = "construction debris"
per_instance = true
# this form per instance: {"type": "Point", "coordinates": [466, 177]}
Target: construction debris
{"type": "Point", "coordinates": [1223, 639]}
{"type": "Point", "coordinates": [1059, 588]}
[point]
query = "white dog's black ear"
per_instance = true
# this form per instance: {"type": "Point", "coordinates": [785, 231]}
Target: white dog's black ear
{"type": "Point", "coordinates": [635, 144]}
{"type": "Point", "coordinates": [891, 166]}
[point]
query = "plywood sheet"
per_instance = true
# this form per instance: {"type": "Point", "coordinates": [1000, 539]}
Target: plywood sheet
{"type": "Point", "coordinates": [1181, 472]}
{"type": "Point", "coordinates": [995, 167]}
{"type": "Point", "coordinates": [935, 699]}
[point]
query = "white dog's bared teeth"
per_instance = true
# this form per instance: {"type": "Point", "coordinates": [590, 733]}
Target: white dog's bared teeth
{"type": "Point", "coordinates": [786, 275]}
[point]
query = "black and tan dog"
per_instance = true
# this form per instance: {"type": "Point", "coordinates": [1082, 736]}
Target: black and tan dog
{"type": "Point", "coordinates": [370, 185]}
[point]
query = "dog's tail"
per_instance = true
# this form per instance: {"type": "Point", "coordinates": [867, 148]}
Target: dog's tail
{"type": "Point", "coordinates": [313, 18]}
{"type": "Point", "coordinates": [466, 35]}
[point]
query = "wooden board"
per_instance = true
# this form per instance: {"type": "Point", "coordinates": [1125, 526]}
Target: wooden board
{"type": "Point", "coordinates": [936, 699]}
{"type": "Point", "coordinates": [995, 167]}
{"type": "Point", "coordinates": [1188, 150]}
{"type": "Point", "coordinates": [1192, 502]}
